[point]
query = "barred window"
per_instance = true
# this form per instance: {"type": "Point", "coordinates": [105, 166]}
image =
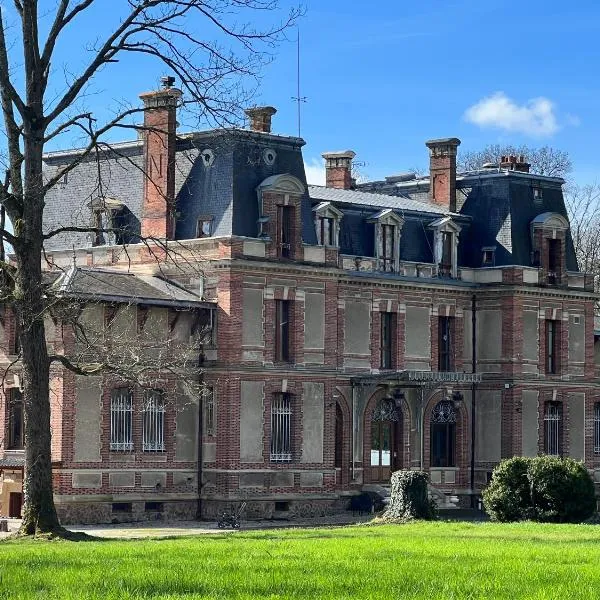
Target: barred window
{"type": "Point", "coordinates": [281, 428]}
{"type": "Point", "coordinates": [121, 419]}
{"type": "Point", "coordinates": [209, 411]}
{"type": "Point", "coordinates": [597, 428]}
{"type": "Point", "coordinates": [552, 428]}
{"type": "Point", "coordinates": [153, 436]}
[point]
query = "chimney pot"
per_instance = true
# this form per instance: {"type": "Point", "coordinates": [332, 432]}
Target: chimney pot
{"type": "Point", "coordinates": [260, 118]}
{"type": "Point", "coordinates": [338, 169]}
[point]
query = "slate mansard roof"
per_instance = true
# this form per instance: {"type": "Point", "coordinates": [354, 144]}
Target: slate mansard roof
{"type": "Point", "coordinates": [494, 207]}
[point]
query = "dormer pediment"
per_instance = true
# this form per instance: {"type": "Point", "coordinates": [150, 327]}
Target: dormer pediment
{"type": "Point", "coordinates": [328, 210]}
{"type": "Point", "coordinates": [386, 216]}
{"type": "Point", "coordinates": [284, 183]}
{"type": "Point", "coordinates": [445, 224]}
{"type": "Point", "coordinates": [550, 220]}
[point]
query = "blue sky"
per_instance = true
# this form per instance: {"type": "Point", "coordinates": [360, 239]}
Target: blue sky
{"type": "Point", "coordinates": [381, 77]}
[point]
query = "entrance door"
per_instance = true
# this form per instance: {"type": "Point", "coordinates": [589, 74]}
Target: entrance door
{"type": "Point", "coordinates": [15, 503]}
{"type": "Point", "coordinates": [382, 450]}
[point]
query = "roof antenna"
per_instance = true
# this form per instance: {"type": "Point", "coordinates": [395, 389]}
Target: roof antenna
{"type": "Point", "coordinates": [298, 98]}
{"type": "Point", "coordinates": [74, 257]}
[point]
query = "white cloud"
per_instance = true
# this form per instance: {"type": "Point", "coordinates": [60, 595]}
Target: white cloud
{"type": "Point", "coordinates": [315, 171]}
{"type": "Point", "coordinates": [536, 117]}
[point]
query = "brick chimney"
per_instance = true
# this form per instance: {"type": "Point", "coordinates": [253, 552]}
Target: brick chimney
{"type": "Point", "coordinates": [260, 118]}
{"type": "Point", "coordinates": [442, 171]}
{"type": "Point", "coordinates": [160, 137]}
{"type": "Point", "coordinates": [338, 169]}
{"type": "Point", "coordinates": [515, 163]}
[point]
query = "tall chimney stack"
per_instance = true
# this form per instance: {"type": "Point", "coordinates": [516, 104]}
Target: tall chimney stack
{"type": "Point", "coordinates": [515, 163]}
{"type": "Point", "coordinates": [160, 138]}
{"type": "Point", "coordinates": [442, 171]}
{"type": "Point", "coordinates": [338, 169]}
{"type": "Point", "coordinates": [260, 118]}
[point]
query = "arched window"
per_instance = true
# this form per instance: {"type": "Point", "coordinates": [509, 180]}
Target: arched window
{"type": "Point", "coordinates": [339, 436]}
{"type": "Point", "coordinates": [553, 428]}
{"type": "Point", "coordinates": [443, 435]}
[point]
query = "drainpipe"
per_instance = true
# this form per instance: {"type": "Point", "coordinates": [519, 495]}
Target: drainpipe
{"type": "Point", "coordinates": [352, 431]}
{"type": "Point", "coordinates": [200, 446]}
{"type": "Point", "coordinates": [473, 392]}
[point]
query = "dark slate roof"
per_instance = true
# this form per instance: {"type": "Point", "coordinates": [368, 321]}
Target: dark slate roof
{"type": "Point", "coordinates": [8, 462]}
{"type": "Point", "coordinates": [120, 286]}
{"type": "Point", "coordinates": [357, 197]}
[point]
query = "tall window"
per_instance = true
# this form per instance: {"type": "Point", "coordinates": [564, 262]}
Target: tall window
{"type": "Point", "coordinates": [597, 428]}
{"type": "Point", "coordinates": [387, 247]}
{"type": "Point", "coordinates": [443, 435]}
{"type": "Point", "coordinates": [339, 436]}
{"type": "Point", "coordinates": [153, 436]}
{"type": "Point", "coordinates": [326, 231]}
{"type": "Point", "coordinates": [552, 346]}
{"type": "Point", "coordinates": [284, 231]}
{"type": "Point", "coordinates": [282, 330]}
{"type": "Point", "coordinates": [121, 420]}
{"type": "Point", "coordinates": [209, 411]}
{"type": "Point", "coordinates": [445, 344]}
{"type": "Point", "coordinates": [387, 337]}
{"type": "Point", "coordinates": [16, 420]}
{"type": "Point", "coordinates": [281, 428]}
{"type": "Point", "coordinates": [446, 262]}
{"type": "Point", "coordinates": [553, 428]}
{"type": "Point", "coordinates": [553, 260]}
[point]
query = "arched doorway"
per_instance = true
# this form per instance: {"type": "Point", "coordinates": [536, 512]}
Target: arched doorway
{"type": "Point", "coordinates": [385, 433]}
{"type": "Point", "coordinates": [443, 435]}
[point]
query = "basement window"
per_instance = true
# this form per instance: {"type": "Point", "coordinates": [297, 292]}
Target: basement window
{"type": "Point", "coordinates": [154, 507]}
{"type": "Point", "coordinates": [282, 506]}
{"type": "Point", "coordinates": [121, 507]}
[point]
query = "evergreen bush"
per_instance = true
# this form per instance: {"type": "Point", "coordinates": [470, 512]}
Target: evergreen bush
{"type": "Point", "coordinates": [544, 488]}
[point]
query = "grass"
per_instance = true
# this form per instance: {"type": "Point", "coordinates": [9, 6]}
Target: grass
{"type": "Point", "coordinates": [420, 560]}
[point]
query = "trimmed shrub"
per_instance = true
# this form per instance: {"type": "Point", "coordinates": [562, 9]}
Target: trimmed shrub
{"type": "Point", "coordinates": [545, 488]}
{"type": "Point", "coordinates": [409, 499]}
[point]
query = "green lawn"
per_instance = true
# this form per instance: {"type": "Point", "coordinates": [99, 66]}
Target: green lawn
{"type": "Point", "coordinates": [421, 560]}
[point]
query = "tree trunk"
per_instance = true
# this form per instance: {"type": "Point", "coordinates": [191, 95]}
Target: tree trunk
{"type": "Point", "coordinates": [39, 511]}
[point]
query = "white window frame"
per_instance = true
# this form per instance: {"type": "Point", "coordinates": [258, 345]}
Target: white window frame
{"type": "Point", "coordinates": [281, 428]}
{"type": "Point", "coordinates": [387, 218]}
{"type": "Point", "coordinates": [326, 210]}
{"type": "Point", "coordinates": [441, 226]}
{"type": "Point", "coordinates": [121, 420]}
{"type": "Point", "coordinates": [153, 421]}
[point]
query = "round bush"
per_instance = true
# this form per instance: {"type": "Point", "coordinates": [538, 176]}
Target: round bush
{"type": "Point", "coordinates": [545, 488]}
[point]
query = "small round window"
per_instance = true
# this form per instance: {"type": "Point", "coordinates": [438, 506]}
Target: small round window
{"type": "Point", "coordinates": [269, 156]}
{"type": "Point", "coordinates": [208, 157]}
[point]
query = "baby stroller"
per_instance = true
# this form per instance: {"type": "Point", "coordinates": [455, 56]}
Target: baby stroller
{"type": "Point", "coordinates": [231, 520]}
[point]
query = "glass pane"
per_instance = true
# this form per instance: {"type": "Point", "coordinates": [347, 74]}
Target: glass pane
{"type": "Point", "coordinates": [386, 444]}
{"type": "Point", "coordinates": [375, 445]}
{"type": "Point", "coordinates": [374, 458]}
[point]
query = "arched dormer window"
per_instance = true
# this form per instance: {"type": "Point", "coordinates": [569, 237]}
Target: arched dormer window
{"type": "Point", "coordinates": [105, 221]}
{"type": "Point", "coordinates": [445, 246]}
{"type": "Point", "coordinates": [327, 224]}
{"type": "Point", "coordinates": [548, 241]}
{"type": "Point", "coordinates": [388, 228]}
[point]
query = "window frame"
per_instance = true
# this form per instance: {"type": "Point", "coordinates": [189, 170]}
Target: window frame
{"type": "Point", "coordinates": [388, 254]}
{"type": "Point", "coordinates": [553, 417]}
{"type": "Point", "coordinates": [552, 356]}
{"type": "Point", "coordinates": [284, 230]}
{"type": "Point", "coordinates": [554, 250]}
{"type": "Point", "coordinates": [386, 340]}
{"type": "Point", "coordinates": [200, 223]}
{"type": "Point", "coordinates": [443, 425]}
{"type": "Point", "coordinates": [281, 435]}
{"type": "Point", "coordinates": [154, 421]}
{"type": "Point", "coordinates": [121, 419]}
{"type": "Point", "coordinates": [597, 428]}
{"type": "Point", "coordinates": [15, 407]}
{"type": "Point", "coordinates": [283, 331]}
{"type": "Point", "coordinates": [445, 343]}
{"type": "Point", "coordinates": [208, 420]}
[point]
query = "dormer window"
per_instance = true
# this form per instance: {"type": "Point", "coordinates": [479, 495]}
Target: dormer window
{"type": "Point", "coordinates": [548, 237]}
{"type": "Point", "coordinates": [107, 222]}
{"type": "Point", "coordinates": [388, 226]}
{"type": "Point", "coordinates": [537, 194]}
{"type": "Point", "coordinates": [445, 246]}
{"type": "Point", "coordinates": [488, 257]}
{"type": "Point", "coordinates": [327, 224]}
{"type": "Point", "coordinates": [204, 227]}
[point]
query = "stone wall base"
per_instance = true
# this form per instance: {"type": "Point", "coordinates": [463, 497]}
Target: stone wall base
{"type": "Point", "coordinates": [92, 513]}
{"type": "Point", "coordinates": [274, 509]}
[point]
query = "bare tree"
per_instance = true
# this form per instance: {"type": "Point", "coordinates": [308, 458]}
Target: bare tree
{"type": "Point", "coordinates": [544, 160]}
{"type": "Point", "coordinates": [40, 104]}
{"type": "Point", "coordinates": [583, 206]}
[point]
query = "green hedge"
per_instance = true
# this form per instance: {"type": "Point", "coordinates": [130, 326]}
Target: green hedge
{"type": "Point", "coordinates": [544, 488]}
